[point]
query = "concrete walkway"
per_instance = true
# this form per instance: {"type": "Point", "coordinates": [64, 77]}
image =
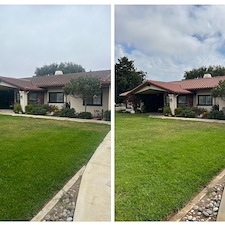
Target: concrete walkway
{"type": "Point", "coordinates": [183, 118]}
{"type": "Point", "coordinates": [11, 113]}
{"type": "Point", "coordinates": [94, 198]}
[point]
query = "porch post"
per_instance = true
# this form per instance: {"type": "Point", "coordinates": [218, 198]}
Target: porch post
{"type": "Point", "coordinates": [109, 99]}
{"type": "Point", "coordinates": [23, 99]}
{"type": "Point", "coordinates": [173, 102]}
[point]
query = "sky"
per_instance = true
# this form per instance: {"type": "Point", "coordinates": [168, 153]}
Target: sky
{"type": "Point", "coordinates": [166, 40]}
{"type": "Point", "coordinates": [35, 35]}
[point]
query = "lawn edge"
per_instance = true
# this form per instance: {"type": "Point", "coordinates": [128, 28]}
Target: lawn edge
{"type": "Point", "coordinates": [57, 197]}
{"type": "Point", "coordinates": [177, 216]}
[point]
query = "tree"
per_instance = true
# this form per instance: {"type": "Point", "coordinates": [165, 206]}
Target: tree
{"type": "Point", "coordinates": [199, 73]}
{"type": "Point", "coordinates": [67, 67]}
{"type": "Point", "coordinates": [127, 77]}
{"type": "Point", "coordinates": [84, 87]}
{"type": "Point", "coordinates": [219, 90]}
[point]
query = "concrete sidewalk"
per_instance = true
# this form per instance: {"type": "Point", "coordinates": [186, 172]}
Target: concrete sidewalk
{"type": "Point", "coordinates": [183, 118]}
{"type": "Point", "coordinates": [11, 113]}
{"type": "Point", "coordinates": [94, 198]}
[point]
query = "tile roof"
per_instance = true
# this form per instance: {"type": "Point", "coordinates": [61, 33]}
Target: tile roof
{"type": "Point", "coordinates": [61, 80]}
{"type": "Point", "coordinates": [180, 87]}
{"type": "Point", "coordinates": [37, 83]}
{"type": "Point", "coordinates": [23, 84]}
{"type": "Point", "coordinates": [200, 83]}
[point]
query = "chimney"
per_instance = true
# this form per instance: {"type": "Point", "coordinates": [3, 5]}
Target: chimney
{"type": "Point", "coordinates": [58, 72]}
{"type": "Point", "coordinates": [207, 75]}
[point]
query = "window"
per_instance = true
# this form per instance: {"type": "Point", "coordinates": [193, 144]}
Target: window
{"type": "Point", "coordinates": [167, 100]}
{"type": "Point", "coordinates": [18, 97]}
{"type": "Point", "coordinates": [95, 100]}
{"type": "Point", "coordinates": [32, 98]}
{"type": "Point", "coordinates": [56, 97]}
{"type": "Point", "coordinates": [204, 100]}
{"type": "Point", "coordinates": [182, 100]}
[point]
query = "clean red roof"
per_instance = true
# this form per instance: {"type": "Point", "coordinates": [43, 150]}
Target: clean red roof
{"type": "Point", "coordinates": [200, 83]}
{"type": "Point", "coordinates": [182, 87]}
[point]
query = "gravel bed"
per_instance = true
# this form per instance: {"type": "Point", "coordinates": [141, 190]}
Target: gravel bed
{"type": "Point", "coordinates": [65, 208]}
{"type": "Point", "coordinates": [207, 208]}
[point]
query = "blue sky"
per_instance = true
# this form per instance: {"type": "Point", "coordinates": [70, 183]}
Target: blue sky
{"type": "Point", "coordinates": [167, 40]}
{"type": "Point", "coordinates": [34, 35]}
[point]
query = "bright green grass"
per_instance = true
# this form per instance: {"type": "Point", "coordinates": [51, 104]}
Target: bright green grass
{"type": "Point", "coordinates": [37, 157]}
{"type": "Point", "coordinates": [160, 164]}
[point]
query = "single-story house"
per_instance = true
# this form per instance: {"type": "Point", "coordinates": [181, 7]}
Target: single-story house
{"type": "Point", "coordinates": [48, 90]}
{"type": "Point", "coordinates": [193, 93]}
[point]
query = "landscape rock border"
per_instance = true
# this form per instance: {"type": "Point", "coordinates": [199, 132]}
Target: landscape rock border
{"type": "Point", "coordinates": [212, 193]}
{"type": "Point", "coordinates": [59, 196]}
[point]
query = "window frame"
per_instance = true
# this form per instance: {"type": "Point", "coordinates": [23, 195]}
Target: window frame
{"type": "Point", "coordinates": [205, 102]}
{"type": "Point", "coordinates": [92, 104]}
{"type": "Point", "coordinates": [32, 101]}
{"type": "Point", "coordinates": [57, 92]}
{"type": "Point", "coordinates": [182, 104]}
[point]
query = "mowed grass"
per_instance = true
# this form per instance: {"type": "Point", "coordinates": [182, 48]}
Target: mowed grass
{"type": "Point", "coordinates": [160, 164]}
{"type": "Point", "coordinates": [37, 157]}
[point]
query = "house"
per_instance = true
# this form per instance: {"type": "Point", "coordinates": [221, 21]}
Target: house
{"type": "Point", "coordinates": [48, 90]}
{"type": "Point", "coordinates": [155, 95]}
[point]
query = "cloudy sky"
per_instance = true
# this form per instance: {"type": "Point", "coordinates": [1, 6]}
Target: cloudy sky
{"type": "Point", "coordinates": [35, 35]}
{"type": "Point", "coordinates": [165, 40]}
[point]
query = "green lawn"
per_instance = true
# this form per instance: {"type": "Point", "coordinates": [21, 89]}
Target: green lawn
{"type": "Point", "coordinates": [37, 157]}
{"type": "Point", "coordinates": [161, 163]}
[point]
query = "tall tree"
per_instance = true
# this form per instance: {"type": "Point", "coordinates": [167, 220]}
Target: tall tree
{"type": "Point", "coordinates": [126, 77]}
{"type": "Point", "coordinates": [67, 67]}
{"type": "Point", "coordinates": [219, 90]}
{"type": "Point", "coordinates": [84, 87]}
{"type": "Point", "coordinates": [199, 73]}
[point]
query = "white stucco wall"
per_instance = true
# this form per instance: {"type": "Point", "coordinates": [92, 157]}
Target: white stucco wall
{"type": "Point", "coordinates": [77, 103]}
{"type": "Point", "coordinates": [173, 103]}
{"type": "Point", "coordinates": [203, 92]}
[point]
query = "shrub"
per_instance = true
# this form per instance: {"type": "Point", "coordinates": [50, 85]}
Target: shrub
{"type": "Point", "coordinates": [85, 115]}
{"type": "Point", "coordinates": [29, 108]}
{"type": "Point", "coordinates": [107, 115]}
{"type": "Point", "coordinates": [17, 108]}
{"type": "Point", "coordinates": [166, 111]}
{"type": "Point", "coordinates": [179, 110]}
{"type": "Point", "coordinates": [53, 110]}
{"type": "Point", "coordinates": [189, 112]}
{"type": "Point", "coordinates": [66, 112]}
{"type": "Point", "coordinates": [39, 109]}
{"type": "Point", "coordinates": [216, 114]}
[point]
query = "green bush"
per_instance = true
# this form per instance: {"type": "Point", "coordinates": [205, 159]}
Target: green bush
{"type": "Point", "coordinates": [166, 111]}
{"type": "Point", "coordinates": [179, 110]}
{"type": "Point", "coordinates": [17, 108]}
{"type": "Point", "coordinates": [216, 114]}
{"type": "Point", "coordinates": [66, 112]}
{"type": "Point", "coordinates": [107, 115]}
{"type": "Point", "coordinates": [85, 115]}
{"type": "Point", "coordinates": [189, 112]}
{"type": "Point", "coordinates": [29, 108]}
{"type": "Point", "coordinates": [39, 109]}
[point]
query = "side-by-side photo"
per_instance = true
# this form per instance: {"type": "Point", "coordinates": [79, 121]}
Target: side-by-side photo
{"type": "Point", "coordinates": [169, 113]}
{"type": "Point", "coordinates": [55, 113]}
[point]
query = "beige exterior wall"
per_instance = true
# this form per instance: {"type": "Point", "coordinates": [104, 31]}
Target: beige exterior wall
{"type": "Point", "coordinates": [77, 103]}
{"type": "Point", "coordinates": [23, 99]}
{"type": "Point", "coordinates": [203, 92]}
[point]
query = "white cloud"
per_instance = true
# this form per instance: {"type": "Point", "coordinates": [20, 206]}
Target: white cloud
{"type": "Point", "coordinates": [167, 40]}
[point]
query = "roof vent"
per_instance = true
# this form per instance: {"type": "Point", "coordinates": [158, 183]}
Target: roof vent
{"type": "Point", "coordinates": [58, 72]}
{"type": "Point", "coordinates": [207, 75]}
